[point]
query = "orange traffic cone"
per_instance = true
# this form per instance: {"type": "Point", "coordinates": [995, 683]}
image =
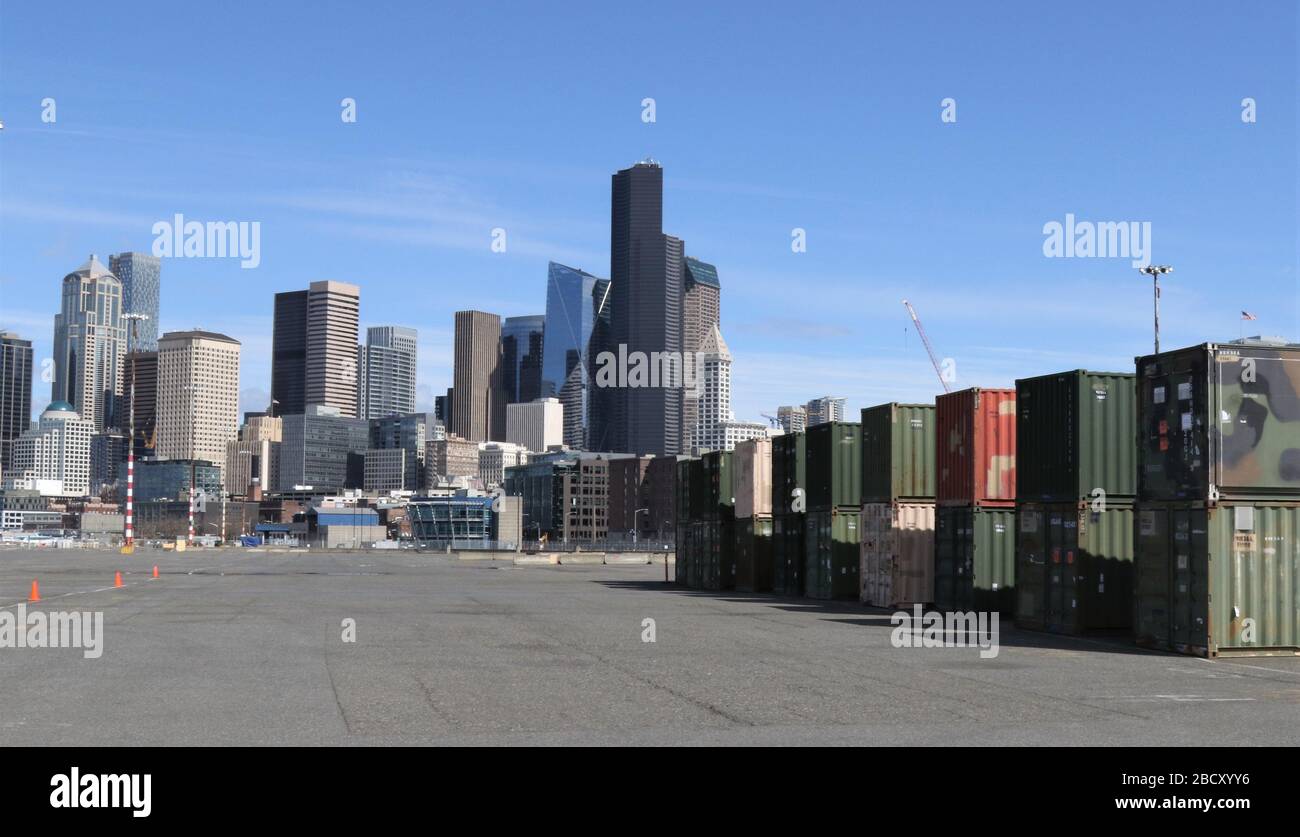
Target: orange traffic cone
{"type": "Point", "coordinates": [155, 570]}
{"type": "Point", "coordinates": [117, 579]}
{"type": "Point", "coordinates": [36, 592]}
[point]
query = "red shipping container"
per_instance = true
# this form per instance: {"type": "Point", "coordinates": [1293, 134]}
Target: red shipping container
{"type": "Point", "coordinates": [975, 437]}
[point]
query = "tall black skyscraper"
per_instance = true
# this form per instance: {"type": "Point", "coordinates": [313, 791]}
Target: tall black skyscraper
{"type": "Point", "coordinates": [645, 272]}
{"type": "Point", "coordinates": [289, 354]}
{"type": "Point", "coordinates": [15, 393]}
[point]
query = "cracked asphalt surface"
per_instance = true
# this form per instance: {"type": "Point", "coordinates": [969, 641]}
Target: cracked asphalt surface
{"type": "Point", "coordinates": [233, 647]}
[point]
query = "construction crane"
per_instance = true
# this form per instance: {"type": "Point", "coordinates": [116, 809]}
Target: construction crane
{"type": "Point", "coordinates": [771, 419]}
{"type": "Point", "coordinates": [928, 348]}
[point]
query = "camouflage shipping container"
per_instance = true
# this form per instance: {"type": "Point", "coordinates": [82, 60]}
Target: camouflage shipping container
{"type": "Point", "coordinates": [1219, 422]}
{"type": "Point", "coordinates": [1074, 566]}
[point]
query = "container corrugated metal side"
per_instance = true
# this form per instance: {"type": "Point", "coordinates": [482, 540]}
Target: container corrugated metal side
{"type": "Point", "coordinates": [975, 559]}
{"type": "Point", "coordinates": [719, 548]}
{"type": "Point", "coordinates": [1221, 580]}
{"type": "Point", "coordinates": [788, 474]}
{"type": "Point", "coordinates": [833, 466]}
{"type": "Point", "coordinates": [898, 447]}
{"type": "Point", "coordinates": [754, 555]}
{"type": "Point", "coordinates": [698, 489]}
{"type": "Point", "coordinates": [1074, 566]}
{"type": "Point", "coordinates": [788, 553]}
{"type": "Point", "coordinates": [682, 553]}
{"type": "Point", "coordinates": [975, 442]}
{"type": "Point", "coordinates": [696, 567]}
{"type": "Point", "coordinates": [1219, 421]}
{"type": "Point", "coordinates": [832, 549]}
{"type": "Point", "coordinates": [1075, 434]}
{"type": "Point", "coordinates": [896, 567]}
{"type": "Point", "coordinates": [751, 463]}
{"type": "Point", "coordinates": [720, 501]}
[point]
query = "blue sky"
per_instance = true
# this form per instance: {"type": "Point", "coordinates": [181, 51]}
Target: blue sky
{"type": "Point", "coordinates": [769, 117]}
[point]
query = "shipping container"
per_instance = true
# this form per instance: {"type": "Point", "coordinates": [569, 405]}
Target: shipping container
{"type": "Point", "coordinates": [975, 459]}
{"type": "Point", "coordinates": [832, 549]}
{"type": "Point", "coordinates": [1074, 566]}
{"type": "Point", "coordinates": [896, 565]}
{"type": "Point", "coordinates": [751, 463]}
{"type": "Point", "coordinates": [1219, 421]}
{"type": "Point", "coordinates": [697, 489]}
{"type": "Point", "coordinates": [788, 553]}
{"type": "Point", "coordinates": [720, 499]}
{"type": "Point", "coordinates": [1219, 579]}
{"type": "Point", "coordinates": [682, 491]}
{"type": "Point", "coordinates": [898, 453]}
{"type": "Point", "coordinates": [682, 556]}
{"type": "Point", "coordinates": [754, 554]}
{"type": "Point", "coordinates": [695, 570]}
{"type": "Point", "coordinates": [1075, 435]}
{"type": "Point", "coordinates": [975, 559]}
{"type": "Point", "coordinates": [718, 545]}
{"type": "Point", "coordinates": [833, 466]}
{"type": "Point", "coordinates": [788, 454]}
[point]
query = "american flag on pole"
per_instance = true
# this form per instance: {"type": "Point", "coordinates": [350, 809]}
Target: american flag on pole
{"type": "Point", "coordinates": [1246, 315]}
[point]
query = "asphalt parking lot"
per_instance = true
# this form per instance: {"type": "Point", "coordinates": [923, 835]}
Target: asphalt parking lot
{"type": "Point", "coordinates": [232, 647]}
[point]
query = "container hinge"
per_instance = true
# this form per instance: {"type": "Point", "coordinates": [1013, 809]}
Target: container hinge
{"type": "Point", "coordinates": [1213, 493]}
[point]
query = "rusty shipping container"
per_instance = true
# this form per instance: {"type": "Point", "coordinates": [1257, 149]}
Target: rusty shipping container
{"type": "Point", "coordinates": [975, 559]}
{"type": "Point", "coordinates": [751, 464]}
{"type": "Point", "coordinates": [1075, 436]}
{"type": "Point", "coordinates": [788, 474]}
{"type": "Point", "coordinates": [897, 556]}
{"type": "Point", "coordinates": [833, 466]}
{"type": "Point", "coordinates": [1220, 422]}
{"type": "Point", "coordinates": [754, 554]}
{"type": "Point", "coordinates": [898, 451]}
{"type": "Point", "coordinates": [1074, 566]}
{"type": "Point", "coordinates": [1219, 580]}
{"type": "Point", "coordinates": [788, 553]}
{"type": "Point", "coordinates": [975, 444]}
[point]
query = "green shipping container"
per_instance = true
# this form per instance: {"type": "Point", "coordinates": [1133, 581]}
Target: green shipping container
{"type": "Point", "coordinates": [1219, 580]}
{"type": "Point", "coordinates": [1220, 421]}
{"type": "Point", "coordinates": [833, 466]}
{"type": "Point", "coordinates": [975, 559]}
{"type": "Point", "coordinates": [695, 568]}
{"type": "Point", "coordinates": [788, 553]}
{"type": "Point", "coordinates": [682, 491]}
{"type": "Point", "coordinates": [897, 453]}
{"type": "Point", "coordinates": [754, 554]}
{"type": "Point", "coordinates": [788, 453]}
{"type": "Point", "coordinates": [682, 556]}
{"type": "Point", "coordinates": [1075, 435]}
{"type": "Point", "coordinates": [1074, 567]}
{"type": "Point", "coordinates": [720, 500]}
{"type": "Point", "coordinates": [832, 550]}
{"type": "Point", "coordinates": [697, 489]}
{"type": "Point", "coordinates": [719, 548]}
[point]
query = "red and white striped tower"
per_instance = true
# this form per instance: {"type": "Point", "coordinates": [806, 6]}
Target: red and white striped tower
{"type": "Point", "coordinates": [130, 445]}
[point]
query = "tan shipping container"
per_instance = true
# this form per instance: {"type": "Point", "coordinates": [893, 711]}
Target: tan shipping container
{"type": "Point", "coordinates": [751, 464]}
{"type": "Point", "coordinates": [897, 554]}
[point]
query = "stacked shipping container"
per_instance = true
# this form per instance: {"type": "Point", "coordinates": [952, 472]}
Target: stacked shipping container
{"type": "Point", "coordinates": [752, 479]}
{"type": "Point", "coordinates": [975, 487]}
{"type": "Point", "coordinates": [717, 536]}
{"type": "Point", "coordinates": [896, 564]}
{"type": "Point", "coordinates": [1218, 512]}
{"type": "Point", "coordinates": [1075, 482]}
{"type": "Point", "coordinates": [788, 513]}
{"type": "Point", "coordinates": [832, 466]}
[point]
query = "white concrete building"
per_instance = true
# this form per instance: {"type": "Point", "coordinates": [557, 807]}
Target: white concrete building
{"type": "Point", "coordinates": [54, 457]}
{"type": "Point", "coordinates": [535, 425]}
{"type": "Point", "coordinates": [717, 428]}
{"type": "Point", "coordinates": [495, 457]}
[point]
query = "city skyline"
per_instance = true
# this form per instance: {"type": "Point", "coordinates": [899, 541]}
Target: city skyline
{"type": "Point", "coordinates": [894, 202]}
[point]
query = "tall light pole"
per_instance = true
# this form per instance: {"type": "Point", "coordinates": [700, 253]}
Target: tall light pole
{"type": "Point", "coordinates": [129, 546]}
{"type": "Point", "coordinates": [193, 390]}
{"type": "Point", "coordinates": [634, 514]}
{"type": "Point", "coordinates": [1155, 271]}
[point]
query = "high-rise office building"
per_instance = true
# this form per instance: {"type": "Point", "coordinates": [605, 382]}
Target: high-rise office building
{"type": "Point", "coordinates": [701, 313]}
{"type": "Point", "coordinates": [389, 371]}
{"type": "Point", "coordinates": [15, 393]}
{"type": "Point", "coordinates": [645, 273]}
{"type": "Point", "coordinates": [792, 419]}
{"type": "Point", "coordinates": [89, 344]}
{"type": "Point", "coordinates": [521, 356]}
{"type": "Point", "coordinates": [324, 449]}
{"type": "Point", "coordinates": [536, 425]}
{"type": "Point", "coordinates": [53, 458]}
{"type": "Point", "coordinates": [824, 409]}
{"type": "Point", "coordinates": [363, 400]}
{"type": "Point", "coordinates": [478, 404]}
{"type": "Point", "coordinates": [576, 302]}
{"type": "Point", "coordinates": [198, 395]}
{"type": "Point", "coordinates": [289, 354]}
{"type": "Point", "coordinates": [717, 428]}
{"type": "Point", "coordinates": [141, 369]}
{"type": "Point", "coordinates": [333, 317]}
{"type": "Point", "coordinates": [140, 275]}
{"type": "Point", "coordinates": [408, 433]}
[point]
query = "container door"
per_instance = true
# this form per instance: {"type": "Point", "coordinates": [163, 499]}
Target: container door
{"type": "Point", "coordinates": [1031, 567]}
{"type": "Point", "coordinates": [1071, 601]}
{"type": "Point", "coordinates": [966, 580]}
{"type": "Point", "coordinates": [945, 563]}
{"type": "Point", "coordinates": [1154, 580]}
{"type": "Point", "coordinates": [1190, 589]}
